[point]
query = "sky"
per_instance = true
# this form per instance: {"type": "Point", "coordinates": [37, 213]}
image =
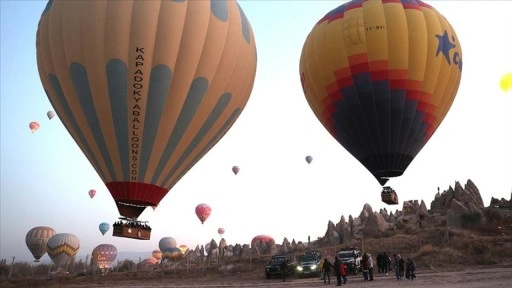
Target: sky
{"type": "Point", "coordinates": [45, 177]}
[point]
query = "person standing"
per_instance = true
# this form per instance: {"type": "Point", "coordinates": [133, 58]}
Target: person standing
{"type": "Point", "coordinates": [327, 270]}
{"type": "Point", "coordinates": [364, 265]}
{"type": "Point", "coordinates": [396, 263]}
{"type": "Point", "coordinates": [337, 270]}
{"type": "Point", "coordinates": [409, 270]}
{"type": "Point", "coordinates": [343, 269]}
{"type": "Point", "coordinates": [370, 267]}
{"type": "Point", "coordinates": [284, 269]}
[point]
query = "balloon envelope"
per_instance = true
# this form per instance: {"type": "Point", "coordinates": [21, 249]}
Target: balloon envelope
{"type": "Point", "coordinates": [309, 159]}
{"type": "Point", "coordinates": [203, 211]}
{"type": "Point", "coordinates": [235, 169]}
{"type": "Point", "coordinates": [166, 243]}
{"type": "Point", "coordinates": [506, 82]}
{"type": "Point", "coordinates": [103, 255]}
{"type": "Point", "coordinates": [148, 89]}
{"type": "Point", "coordinates": [221, 231]}
{"type": "Point", "coordinates": [92, 193]}
{"type": "Point", "coordinates": [104, 227]}
{"type": "Point", "coordinates": [157, 254]}
{"type": "Point", "coordinates": [50, 114]}
{"type": "Point", "coordinates": [36, 240]}
{"type": "Point", "coordinates": [183, 248]}
{"type": "Point", "coordinates": [381, 76]}
{"type": "Point", "coordinates": [262, 238]}
{"type": "Point", "coordinates": [62, 247]}
{"type": "Point", "coordinates": [34, 126]}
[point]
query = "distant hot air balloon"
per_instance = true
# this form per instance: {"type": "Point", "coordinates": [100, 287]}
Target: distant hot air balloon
{"type": "Point", "coordinates": [34, 126]}
{"type": "Point", "coordinates": [62, 247]}
{"type": "Point", "coordinates": [221, 231]}
{"type": "Point", "coordinates": [235, 169]}
{"type": "Point", "coordinates": [183, 248]}
{"type": "Point", "coordinates": [36, 240]}
{"type": "Point", "coordinates": [381, 76]}
{"type": "Point", "coordinates": [92, 193]}
{"type": "Point", "coordinates": [50, 114]}
{"type": "Point", "coordinates": [148, 263]}
{"type": "Point", "coordinates": [167, 243]}
{"type": "Point", "coordinates": [506, 82]}
{"type": "Point", "coordinates": [309, 159]}
{"type": "Point", "coordinates": [103, 256]}
{"type": "Point", "coordinates": [261, 238]}
{"type": "Point", "coordinates": [104, 227]}
{"type": "Point", "coordinates": [148, 89]}
{"type": "Point", "coordinates": [203, 212]}
{"type": "Point", "coordinates": [157, 254]}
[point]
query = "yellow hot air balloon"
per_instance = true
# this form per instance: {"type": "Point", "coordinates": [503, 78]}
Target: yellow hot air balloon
{"type": "Point", "coordinates": [62, 247]}
{"type": "Point", "coordinates": [506, 82]}
{"type": "Point", "coordinates": [381, 76]}
{"type": "Point", "coordinates": [145, 88]}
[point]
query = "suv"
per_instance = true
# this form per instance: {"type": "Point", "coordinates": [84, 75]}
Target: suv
{"type": "Point", "coordinates": [274, 267]}
{"type": "Point", "coordinates": [351, 257]}
{"type": "Point", "coordinates": [309, 264]}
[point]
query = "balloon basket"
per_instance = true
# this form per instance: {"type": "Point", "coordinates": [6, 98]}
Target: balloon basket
{"type": "Point", "coordinates": [132, 230]}
{"type": "Point", "coordinates": [389, 196]}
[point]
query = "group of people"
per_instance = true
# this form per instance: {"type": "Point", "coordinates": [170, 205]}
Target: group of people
{"type": "Point", "coordinates": [403, 268]}
{"type": "Point", "coordinates": [401, 265]}
{"type": "Point", "coordinates": [132, 225]}
{"type": "Point", "coordinates": [339, 268]}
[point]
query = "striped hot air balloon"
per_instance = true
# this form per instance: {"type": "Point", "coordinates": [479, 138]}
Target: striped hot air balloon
{"type": "Point", "coordinates": [36, 240]}
{"type": "Point", "coordinates": [380, 76]}
{"type": "Point", "coordinates": [62, 247]}
{"type": "Point", "coordinates": [146, 88]}
{"type": "Point", "coordinates": [157, 254]}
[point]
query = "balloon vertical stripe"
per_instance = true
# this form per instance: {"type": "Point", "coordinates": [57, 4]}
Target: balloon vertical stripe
{"type": "Point", "coordinates": [85, 100]}
{"type": "Point", "coordinates": [159, 85]}
{"type": "Point", "coordinates": [117, 75]}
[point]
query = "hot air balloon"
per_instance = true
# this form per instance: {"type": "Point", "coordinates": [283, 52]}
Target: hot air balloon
{"type": "Point", "coordinates": [157, 254]}
{"type": "Point", "coordinates": [50, 114]}
{"type": "Point", "coordinates": [167, 243]}
{"type": "Point", "coordinates": [203, 211]}
{"type": "Point", "coordinates": [221, 231]}
{"type": "Point", "coordinates": [235, 169]}
{"type": "Point", "coordinates": [309, 159]}
{"type": "Point", "coordinates": [381, 76]}
{"type": "Point", "coordinates": [92, 193]}
{"type": "Point", "coordinates": [34, 126]}
{"type": "Point", "coordinates": [104, 227]}
{"type": "Point", "coordinates": [183, 248]}
{"type": "Point", "coordinates": [103, 256]}
{"type": "Point", "coordinates": [36, 240]}
{"type": "Point", "coordinates": [261, 238]}
{"type": "Point", "coordinates": [62, 247]}
{"type": "Point", "coordinates": [148, 89]}
{"type": "Point", "coordinates": [506, 82]}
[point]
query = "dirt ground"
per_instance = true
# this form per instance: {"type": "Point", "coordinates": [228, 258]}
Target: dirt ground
{"type": "Point", "coordinates": [466, 278]}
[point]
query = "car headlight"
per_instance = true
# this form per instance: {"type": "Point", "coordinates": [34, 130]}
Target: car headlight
{"type": "Point", "coordinates": [313, 267]}
{"type": "Point", "coordinates": [299, 268]}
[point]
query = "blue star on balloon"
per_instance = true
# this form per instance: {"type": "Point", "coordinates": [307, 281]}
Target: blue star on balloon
{"type": "Point", "coordinates": [444, 45]}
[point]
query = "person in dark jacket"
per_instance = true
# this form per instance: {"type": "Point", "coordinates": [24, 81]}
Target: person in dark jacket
{"type": "Point", "coordinates": [327, 270]}
{"type": "Point", "coordinates": [284, 269]}
{"type": "Point", "coordinates": [364, 266]}
{"type": "Point", "coordinates": [337, 270]}
{"type": "Point", "coordinates": [409, 270]}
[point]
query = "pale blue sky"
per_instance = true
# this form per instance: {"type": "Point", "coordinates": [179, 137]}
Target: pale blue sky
{"type": "Point", "coordinates": [45, 177]}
